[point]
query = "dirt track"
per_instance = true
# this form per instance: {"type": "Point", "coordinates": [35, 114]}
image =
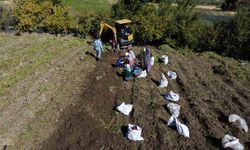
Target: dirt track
{"type": "Point", "coordinates": [206, 101]}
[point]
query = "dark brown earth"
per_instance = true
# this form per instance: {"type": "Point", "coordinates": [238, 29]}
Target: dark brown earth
{"type": "Point", "coordinates": [206, 100]}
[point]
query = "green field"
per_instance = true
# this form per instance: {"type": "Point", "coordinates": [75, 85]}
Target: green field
{"type": "Point", "coordinates": [99, 6]}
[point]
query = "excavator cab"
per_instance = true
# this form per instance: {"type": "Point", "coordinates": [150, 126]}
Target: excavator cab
{"type": "Point", "coordinates": [122, 32]}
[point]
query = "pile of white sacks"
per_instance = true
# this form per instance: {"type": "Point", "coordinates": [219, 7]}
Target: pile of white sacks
{"type": "Point", "coordinates": [227, 142]}
{"type": "Point", "coordinates": [230, 141]}
{"type": "Point", "coordinates": [173, 108]}
{"type": "Point", "coordinates": [134, 132]}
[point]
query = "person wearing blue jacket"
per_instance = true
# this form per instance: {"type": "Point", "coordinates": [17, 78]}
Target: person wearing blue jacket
{"type": "Point", "coordinates": [98, 48]}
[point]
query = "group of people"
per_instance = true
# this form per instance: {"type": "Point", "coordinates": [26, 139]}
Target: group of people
{"type": "Point", "coordinates": [130, 66]}
{"type": "Point", "coordinates": [128, 62]}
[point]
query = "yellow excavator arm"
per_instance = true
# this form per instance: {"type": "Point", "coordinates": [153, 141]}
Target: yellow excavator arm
{"type": "Point", "coordinates": [104, 24]}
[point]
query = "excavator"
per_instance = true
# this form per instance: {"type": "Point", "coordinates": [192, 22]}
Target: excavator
{"type": "Point", "coordinates": [122, 38]}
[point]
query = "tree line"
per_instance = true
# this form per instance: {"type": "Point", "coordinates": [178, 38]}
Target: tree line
{"type": "Point", "coordinates": [179, 27]}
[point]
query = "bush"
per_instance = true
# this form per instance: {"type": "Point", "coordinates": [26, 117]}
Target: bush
{"type": "Point", "coordinates": [59, 20]}
{"type": "Point", "coordinates": [176, 26]}
{"type": "Point", "coordinates": [233, 37]}
{"type": "Point", "coordinates": [6, 17]}
{"type": "Point", "coordinates": [44, 15]}
{"type": "Point", "coordinates": [166, 47]}
{"type": "Point", "coordinates": [181, 28]}
{"type": "Point", "coordinates": [212, 55]}
{"type": "Point", "coordinates": [85, 24]}
{"type": "Point", "coordinates": [231, 71]}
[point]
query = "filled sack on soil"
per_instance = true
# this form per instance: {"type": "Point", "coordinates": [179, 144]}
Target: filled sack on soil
{"type": "Point", "coordinates": [231, 142]}
{"type": "Point", "coordinates": [240, 122]}
{"type": "Point", "coordinates": [182, 129]}
{"type": "Point", "coordinates": [174, 109]}
{"type": "Point", "coordinates": [143, 74]}
{"type": "Point", "coordinates": [171, 121]}
{"type": "Point", "coordinates": [124, 108]}
{"type": "Point", "coordinates": [172, 75]}
{"type": "Point", "coordinates": [172, 96]}
{"type": "Point", "coordinates": [163, 81]}
{"type": "Point", "coordinates": [137, 72]}
{"type": "Point", "coordinates": [164, 58]}
{"type": "Point", "coordinates": [152, 61]}
{"type": "Point", "coordinates": [134, 133]}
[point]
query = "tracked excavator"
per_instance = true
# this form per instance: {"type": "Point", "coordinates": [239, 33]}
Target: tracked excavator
{"type": "Point", "coordinates": [122, 33]}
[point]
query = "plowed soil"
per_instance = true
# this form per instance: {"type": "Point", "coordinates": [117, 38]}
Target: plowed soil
{"type": "Point", "coordinates": [206, 101]}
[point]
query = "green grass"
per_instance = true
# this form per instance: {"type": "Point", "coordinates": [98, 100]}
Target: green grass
{"type": "Point", "coordinates": [232, 70]}
{"type": "Point", "coordinates": [93, 6]}
{"type": "Point", "coordinates": [28, 69]}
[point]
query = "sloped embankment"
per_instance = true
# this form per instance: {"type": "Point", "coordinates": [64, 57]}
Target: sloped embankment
{"type": "Point", "coordinates": [208, 95]}
{"type": "Point", "coordinates": [40, 75]}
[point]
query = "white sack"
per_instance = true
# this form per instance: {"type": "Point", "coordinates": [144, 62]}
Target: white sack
{"type": "Point", "coordinates": [172, 96]}
{"type": "Point", "coordinates": [163, 81]}
{"type": "Point", "coordinates": [174, 109]}
{"type": "Point", "coordinates": [172, 75]}
{"type": "Point", "coordinates": [134, 133]}
{"type": "Point", "coordinates": [240, 122]}
{"type": "Point", "coordinates": [181, 128]}
{"type": "Point", "coordinates": [231, 142]}
{"type": "Point", "coordinates": [143, 74]}
{"type": "Point", "coordinates": [152, 61]}
{"type": "Point", "coordinates": [124, 108]}
{"type": "Point", "coordinates": [171, 121]}
{"type": "Point", "coordinates": [164, 59]}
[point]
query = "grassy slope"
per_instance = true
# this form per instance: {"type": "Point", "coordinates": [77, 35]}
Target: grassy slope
{"type": "Point", "coordinates": [34, 69]}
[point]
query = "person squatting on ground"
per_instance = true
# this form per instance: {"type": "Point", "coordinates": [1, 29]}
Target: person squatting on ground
{"type": "Point", "coordinates": [129, 59]}
{"type": "Point", "coordinates": [98, 48]}
{"type": "Point", "coordinates": [129, 50]}
{"type": "Point", "coordinates": [127, 72]}
{"type": "Point", "coordinates": [119, 62]}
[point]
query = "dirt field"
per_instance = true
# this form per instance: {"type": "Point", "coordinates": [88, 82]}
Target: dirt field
{"type": "Point", "coordinates": [55, 96]}
{"type": "Point", "coordinates": [206, 101]}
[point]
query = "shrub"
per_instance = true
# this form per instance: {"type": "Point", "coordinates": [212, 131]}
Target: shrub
{"type": "Point", "coordinates": [234, 36]}
{"type": "Point", "coordinates": [175, 26]}
{"type": "Point", "coordinates": [59, 20]}
{"type": "Point", "coordinates": [85, 24]}
{"type": "Point", "coordinates": [212, 55]}
{"type": "Point", "coordinates": [231, 71]}
{"type": "Point", "coordinates": [166, 47]}
{"type": "Point", "coordinates": [35, 14]}
{"type": "Point", "coordinates": [6, 17]}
